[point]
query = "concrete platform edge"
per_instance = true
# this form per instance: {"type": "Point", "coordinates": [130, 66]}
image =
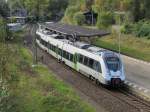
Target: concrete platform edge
{"type": "Point", "coordinates": [138, 90]}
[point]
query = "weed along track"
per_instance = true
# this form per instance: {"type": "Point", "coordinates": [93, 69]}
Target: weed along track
{"type": "Point", "coordinates": [110, 100]}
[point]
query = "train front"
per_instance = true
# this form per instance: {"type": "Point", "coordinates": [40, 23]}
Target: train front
{"type": "Point", "coordinates": [114, 73]}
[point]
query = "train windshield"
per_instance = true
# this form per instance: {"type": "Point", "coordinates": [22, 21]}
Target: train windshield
{"type": "Point", "coordinates": [113, 63]}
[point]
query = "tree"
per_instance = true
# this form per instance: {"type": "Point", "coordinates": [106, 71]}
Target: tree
{"type": "Point", "coordinates": [79, 18]}
{"type": "Point", "coordinates": [136, 10]}
{"type": "Point", "coordinates": [36, 8]}
{"type": "Point", "coordinates": [3, 9]}
{"type": "Point", "coordinates": [56, 8]}
{"type": "Point", "coordinates": [146, 7]}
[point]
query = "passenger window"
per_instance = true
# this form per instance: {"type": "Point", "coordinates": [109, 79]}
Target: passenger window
{"type": "Point", "coordinates": [91, 62]}
{"type": "Point", "coordinates": [45, 43]}
{"type": "Point", "coordinates": [67, 55]}
{"type": "Point", "coordinates": [50, 46]}
{"type": "Point", "coordinates": [97, 66]}
{"type": "Point", "coordinates": [85, 60]}
{"type": "Point", "coordinates": [54, 48]}
{"type": "Point", "coordinates": [64, 54]}
{"type": "Point", "coordinates": [59, 51]}
{"type": "Point", "coordinates": [80, 58]}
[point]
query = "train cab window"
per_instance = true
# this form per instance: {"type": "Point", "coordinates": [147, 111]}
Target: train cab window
{"type": "Point", "coordinates": [113, 63]}
{"type": "Point", "coordinates": [97, 67]}
{"type": "Point", "coordinates": [85, 61]}
{"type": "Point", "coordinates": [81, 58]}
{"type": "Point", "coordinates": [91, 62]}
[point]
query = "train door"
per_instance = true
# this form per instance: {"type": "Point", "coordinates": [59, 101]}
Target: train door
{"type": "Point", "coordinates": [57, 52]}
{"type": "Point", "coordinates": [98, 71]}
{"type": "Point", "coordinates": [75, 61]}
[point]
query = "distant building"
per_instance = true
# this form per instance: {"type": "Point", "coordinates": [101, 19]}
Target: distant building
{"type": "Point", "coordinates": [14, 27]}
{"type": "Point", "coordinates": [90, 17]}
{"type": "Point", "coordinates": [18, 16]}
{"type": "Point", "coordinates": [17, 19]}
{"type": "Point", "coordinates": [19, 12]}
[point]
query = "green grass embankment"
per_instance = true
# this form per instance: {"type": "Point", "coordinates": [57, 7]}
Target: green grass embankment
{"type": "Point", "coordinates": [131, 46]}
{"type": "Point", "coordinates": [37, 89]}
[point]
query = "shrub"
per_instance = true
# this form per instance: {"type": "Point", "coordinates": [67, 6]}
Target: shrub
{"type": "Point", "coordinates": [144, 30]}
{"type": "Point", "coordinates": [127, 28]}
{"type": "Point", "coordinates": [139, 29]}
{"type": "Point", "coordinates": [79, 18]}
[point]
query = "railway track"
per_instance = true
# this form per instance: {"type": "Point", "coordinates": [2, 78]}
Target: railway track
{"type": "Point", "coordinates": [114, 100]}
{"type": "Point", "coordinates": [139, 104]}
{"type": "Point", "coordinates": [133, 100]}
{"type": "Point", "coordinates": [125, 96]}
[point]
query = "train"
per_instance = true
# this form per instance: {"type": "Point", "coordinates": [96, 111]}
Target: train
{"type": "Point", "coordinates": [100, 65]}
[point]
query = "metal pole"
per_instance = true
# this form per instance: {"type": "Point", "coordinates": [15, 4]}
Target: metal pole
{"type": "Point", "coordinates": [119, 35]}
{"type": "Point", "coordinates": [35, 36]}
{"type": "Point", "coordinates": [92, 19]}
{"type": "Point", "coordinates": [35, 47]}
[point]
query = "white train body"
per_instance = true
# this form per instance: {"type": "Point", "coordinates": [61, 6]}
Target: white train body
{"type": "Point", "coordinates": [102, 65]}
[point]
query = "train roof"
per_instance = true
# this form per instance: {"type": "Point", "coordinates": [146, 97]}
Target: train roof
{"type": "Point", "coordinates": [83, 45]}
{"type": "Point", "coordinates": [74, 30]}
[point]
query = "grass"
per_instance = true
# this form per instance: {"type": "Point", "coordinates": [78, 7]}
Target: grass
{"type": "Point", "coordinates": [37, 89]}
{"type": "Point", "coordinates": [132, 46]}
{"type": "Point", "coordinates": [42, 92]}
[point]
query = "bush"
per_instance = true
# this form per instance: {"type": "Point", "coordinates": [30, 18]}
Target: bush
{"type": "Point", "coordinates": [139, 29]}
{"type": "Point", "coordinates": [105, 19]}
{"type": "Point", "coordinates": [79, 18]}
{"type": "Point", "coordinates": [127, 28]}
{"type": "Point", "coordinates": [144, 30]}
